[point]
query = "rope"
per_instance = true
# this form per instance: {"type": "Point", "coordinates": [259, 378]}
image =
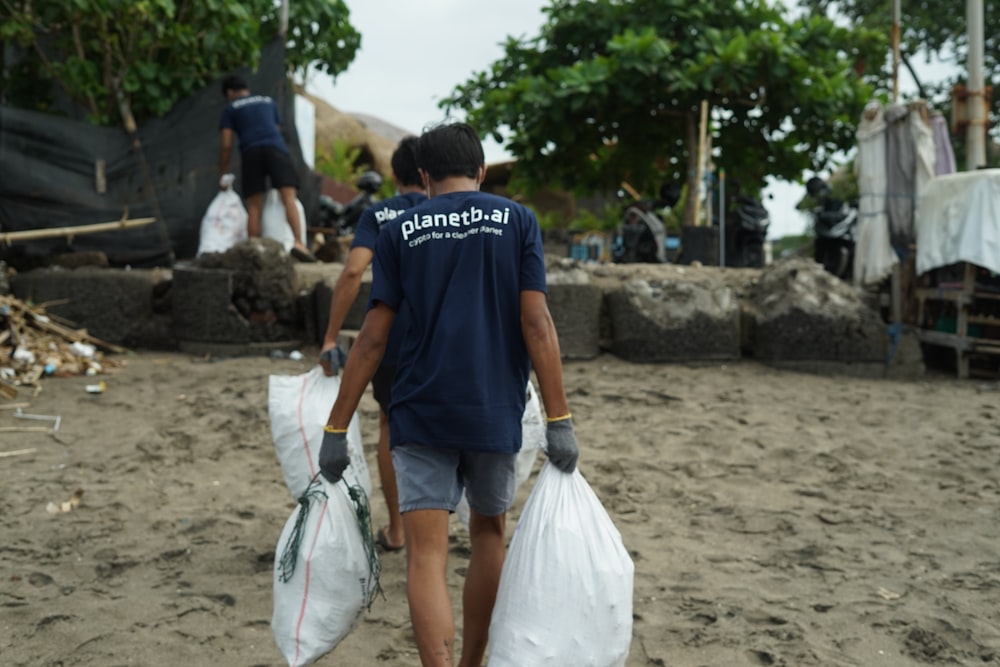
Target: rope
{"type": "Point", "coordinates": [364, 513]}
{"type": "Point", "coordinates": [362, 510]}
{"type": "Point", "coordinates": [290, 556]}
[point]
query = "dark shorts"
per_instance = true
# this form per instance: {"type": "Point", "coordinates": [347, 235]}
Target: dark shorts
{"type": "Point", "coordinates": [266, 162]}
{"type": "Point", "coordinates": [432, 478]}
{"type": "Point", "coordinates": [382, 386]}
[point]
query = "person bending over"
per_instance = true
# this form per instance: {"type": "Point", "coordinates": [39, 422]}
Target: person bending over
{"type": "Point", "coordinates": [263, 155]}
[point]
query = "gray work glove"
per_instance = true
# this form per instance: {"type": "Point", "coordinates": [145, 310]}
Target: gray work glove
{"type": "Point", "coordinates": [332, 360]}
{"type": "Point", "coordinates": [333, 458]}
{"type": "Point", "coordinates": [561, 445]}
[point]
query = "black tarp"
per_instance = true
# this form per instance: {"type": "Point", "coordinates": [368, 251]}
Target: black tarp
{"type": "Point", "coordinates": [48, 173]}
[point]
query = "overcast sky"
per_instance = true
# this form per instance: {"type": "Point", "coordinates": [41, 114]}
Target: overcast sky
{"type": "Point", "coordinates": [413, 54]}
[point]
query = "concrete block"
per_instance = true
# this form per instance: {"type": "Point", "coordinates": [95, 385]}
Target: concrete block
{"type": "Point", "coordinates": [203, 307]}
{"type": "Point", "coordinates": [320, 311]}
{"type": "Point", "coordinates": [576, 311]}
{"type": "Point", "coordinates": [113, 305]}
{"type": "Point", "coordinates": [674, 321]}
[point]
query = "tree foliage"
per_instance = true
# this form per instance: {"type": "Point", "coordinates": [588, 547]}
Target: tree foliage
{"type": "Point", "coordinates": [148, 54]}
{"type": "Point", "coordinates": [927, 27]}
{"type": "Point", "coordinates": [611, 89]}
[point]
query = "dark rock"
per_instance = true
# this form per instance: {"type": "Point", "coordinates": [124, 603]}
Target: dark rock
{"type": "Point", "coordinates": [672, 320]}
{"type": "Point", "coordinates": [802, 313]}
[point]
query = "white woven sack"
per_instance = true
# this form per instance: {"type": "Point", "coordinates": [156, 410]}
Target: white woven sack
{"type": "Point", "coordinates": [565, 595]}
{"type": "Point", "coordinates": [274, 222]}
{"type": "Point", "coordinates": [532, 441]}
{"type": "Point", "coordinates": [298, 407]}
{"type": "Point", "coordinates": [224, 224]}
{"type": "Point", "coordinates": [324, 574]}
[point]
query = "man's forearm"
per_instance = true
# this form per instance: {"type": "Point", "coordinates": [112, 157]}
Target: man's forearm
{"type": "Point", "coordinates": [345, 292]}
{"type": "Point", "coordinates": [543, 348]}
{"type": "Point", "coordinates": [363, 361]}
{"type": "Point", "coordinates": [224, 154]}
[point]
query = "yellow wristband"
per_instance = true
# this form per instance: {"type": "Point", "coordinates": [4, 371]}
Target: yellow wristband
{"type": "Point", "coordinates": [559, 419]}
{"type": "Point", "coordinates": [330, 429]}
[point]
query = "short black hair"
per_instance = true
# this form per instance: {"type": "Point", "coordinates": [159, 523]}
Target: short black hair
{"type": "Point", "coordinates": [233, 82]}
{"type": "Point", "coordinates": [452, 149]}
{"type": "Point", "coordinates": [404, 162]}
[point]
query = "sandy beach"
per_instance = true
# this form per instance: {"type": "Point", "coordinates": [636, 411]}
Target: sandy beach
{"type": "Point", "coordinates": [775, 518]}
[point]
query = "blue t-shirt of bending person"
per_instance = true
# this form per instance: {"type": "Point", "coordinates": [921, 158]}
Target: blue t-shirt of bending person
{"type": "Point", "coordinates": [366, 234]}
{"type": "Point", "coordinates": [255, 121]}
{"type": "Point", "coordinates": [456, 266]}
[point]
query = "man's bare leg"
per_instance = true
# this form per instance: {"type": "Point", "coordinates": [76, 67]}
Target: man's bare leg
{"type": "Point", "coordinates": [481, 582]}
{"type": "Point", "coordinates": [289, 197]}
{"type": "Point", "coordinates": [427, 587]}
{"type": "Point", "coordinates": [387, 475]}
{"type": "Point", "coordinates": [255, 208]}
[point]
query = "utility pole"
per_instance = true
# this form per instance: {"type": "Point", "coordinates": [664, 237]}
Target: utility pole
{"type": "Point", "coordinates": [283, 23]}
{"type": "Point", "coordinates": [975, 132]}
{"type": "Point", "coordinates": [896, 20]}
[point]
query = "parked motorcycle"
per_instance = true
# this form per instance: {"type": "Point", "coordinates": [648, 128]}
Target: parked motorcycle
{"type": "Point", "coordinates": [747, 222]}
{"type": "Point", "coordinates": [642, 236]}
{"type": "Point", "coordinates": [835, 225]}
{"type": "Point", "coordinates": [341, 219]}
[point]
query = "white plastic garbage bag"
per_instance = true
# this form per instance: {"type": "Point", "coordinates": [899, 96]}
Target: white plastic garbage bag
{"type": "Point", "coordinates": [532, 441]}
{"type": "Point", "coordinates": [326, 571]}
{"type": "Point", "coordinates": [298, 407]}
{"type": "Point", "coordinates": [565, 595]}
{"type": "Point", "coordinates": [224, 224]}
{"type": "Point", "coordinates": [274, 223]}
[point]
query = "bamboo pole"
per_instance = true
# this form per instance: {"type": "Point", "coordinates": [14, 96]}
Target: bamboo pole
{"type": "Point", "coordinates": [702, 132]}
{"type": "Point", "coordinates": [32, 234]}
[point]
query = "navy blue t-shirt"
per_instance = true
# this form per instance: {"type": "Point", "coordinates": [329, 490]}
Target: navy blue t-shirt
{"type": "Point", "coordinates": [456, 266]}
{"type": "Point", "coordinates": [255, 121]}
{"type": "Point", "coordinates": [365, 235]}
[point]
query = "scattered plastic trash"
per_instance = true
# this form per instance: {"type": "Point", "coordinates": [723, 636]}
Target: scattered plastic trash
{"type": "Point", "coordinates": [295, 355]}
{"type": "Point", "coordinates": [83, 349]}
{"type": "Point", "coordinates": [25, 355]}
{"type": "Point", "coordinates": [67, 505]}
{"type": "Point", "coordinates": [98, 388]}
{"type": "Point", "coordinates": [55, 419]}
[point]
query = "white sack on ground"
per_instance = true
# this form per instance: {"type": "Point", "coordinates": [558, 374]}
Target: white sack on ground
{"type": "Point", "coordinates": [298, 407]}
{"type": "Point", "coordinates": [565, 594]}
{"type": "Point", "coordinates": [274, 223]}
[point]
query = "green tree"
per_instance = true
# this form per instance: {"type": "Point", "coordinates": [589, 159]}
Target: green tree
{"type": "Point", "coordinates": [611, 89]}
{"type": "Point", "coordinates": [146, 55]}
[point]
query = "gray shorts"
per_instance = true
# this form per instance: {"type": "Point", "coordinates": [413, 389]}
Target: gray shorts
{"type": "Point", "coordinates": [434, 478]}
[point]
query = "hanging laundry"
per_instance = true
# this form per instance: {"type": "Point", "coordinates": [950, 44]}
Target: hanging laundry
{"type": "Point", "coordinates": [944, 154]}
{"type": "Point", "coordinates": [874, 257]}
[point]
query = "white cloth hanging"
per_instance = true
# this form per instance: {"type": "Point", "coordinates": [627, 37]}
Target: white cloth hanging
{"type": "Point", "coordinates": [874, 257]}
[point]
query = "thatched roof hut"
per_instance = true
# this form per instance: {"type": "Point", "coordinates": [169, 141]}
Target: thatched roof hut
{"type": "Point", "coordinates": [332, 124]}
